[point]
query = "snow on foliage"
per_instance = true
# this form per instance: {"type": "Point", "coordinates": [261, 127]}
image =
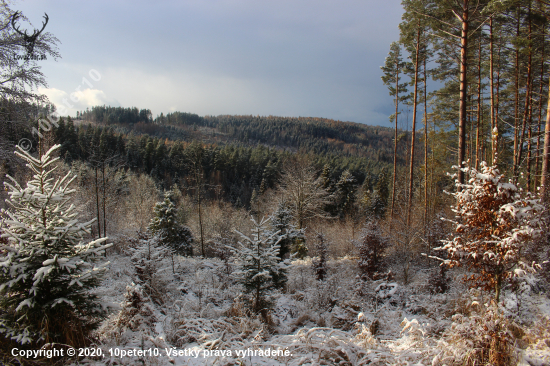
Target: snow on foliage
{"type": "Point", "coordinates": [149, 257]}
{"type": "Point", "coordinates": [259, 269]}
{"type": "Point", "coordinates": [371, 248]}
{"type": "Point", "coordinates": [335, 327]}
{"type": "Point", "coordinates": [47, 267]}
{"type": "Point", "coordinates": [290, 239]}
{"type": "Point", "coordinates": [166, 226]}
{"type": "Point", "coordinates": [494, 222]}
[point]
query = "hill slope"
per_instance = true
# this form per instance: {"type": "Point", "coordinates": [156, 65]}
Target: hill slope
{"type": "Point", "coordinates": [308, 134]}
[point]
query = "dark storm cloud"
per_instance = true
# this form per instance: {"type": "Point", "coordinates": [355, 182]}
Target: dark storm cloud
{"type": "Point", "coordinates": [314, 58]}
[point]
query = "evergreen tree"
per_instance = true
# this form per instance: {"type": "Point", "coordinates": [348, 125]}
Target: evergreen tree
{"type": "Point", "coordinates": [371, 252]}
{"type": "Point", "coordinates": [258, 262]}
{"type": "Point", "coordinates": [376, 201]}
{"type": "Point", "coordinates": [280, 222]}
{"type": "Point", "coordinates": [393, 68]}
{"type": "Point", "coordinates": [345, 191]}
{"type": "Point", "coordinates": [47, 269]}
{"type": "Point", "coordinates": [148, 256]}
{"type": "Point", "coordinates": [171, 233]}
{"type": "Point", "coordinates": [320, 264]}
{"type": "Point", "coordinates": [299, 249]}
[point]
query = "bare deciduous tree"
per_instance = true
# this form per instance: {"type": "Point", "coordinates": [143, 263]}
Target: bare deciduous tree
{"type": "Point", "coordinates": [141, 200]}
{"type": "Point", "coordinates": [304, 191]}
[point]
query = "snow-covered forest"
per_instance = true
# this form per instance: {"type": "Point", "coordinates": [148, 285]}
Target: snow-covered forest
{"type": "Point", "coordinates": [187, 240]}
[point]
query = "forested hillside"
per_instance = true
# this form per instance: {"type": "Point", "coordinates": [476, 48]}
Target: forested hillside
{"type": "Point", "coordinates": [231, 168]}
{"type": "Point", "coordinates": [317, 135]}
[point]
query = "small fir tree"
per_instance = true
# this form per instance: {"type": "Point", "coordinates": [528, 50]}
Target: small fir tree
{"type": "Point", "coordinates": [494, 224]}
{"type": "Point", "coordinates": [291, 239]}
{"type": "Point", "coordinates": [148, 256]}
{"type": "Point", "coordinates": [165, 225]}
{"type": "Point", "coordinates": [371, 252]}
{"type": "Point", "coordinates": [320, 264]}
{"type": "Point", "coordinates": [439, 282]}
{"type": "Point", "coordinates": [47, 268]}
{"type": "Point", "coordinates": [257, 261]}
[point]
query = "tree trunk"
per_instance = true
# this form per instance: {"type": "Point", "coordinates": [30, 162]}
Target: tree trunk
{"type": "Point", "coordinates": [104, 199]}
{"type": "Point", "coordinates": [546, 153]}
{"type": "Point", "coordinates": [413, 129]}
{"type": "Point", "coordinates": [395, 138]}
{"type": "Point", "coordinates": [199, 203]}
{"type": "Point", "coordinates": [537, 158]}
{"type": "Point", "coordinates": [478, 117]}
{"type": "Point", "coordinates": [526, 114]}
{"type": "Point", "coordinates": [497, 106]}
{"type": "Point", "coordinates": [462, 117]}
{"type": "Point", "coordinates": [516, 106]}
{"type": "Point", "coordinates": [491, 81]}
{"type": "Point", "coordinates": [529, 147]}
{"type": "Point", "coordinates": [425, 144]}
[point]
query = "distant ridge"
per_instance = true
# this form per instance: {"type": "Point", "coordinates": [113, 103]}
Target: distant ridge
{"type": "Point", "coordinates": [307, 134]}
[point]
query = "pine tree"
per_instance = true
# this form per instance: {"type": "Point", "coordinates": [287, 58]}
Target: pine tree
{"type": "Point", "coordinates": [257, 260]}
{"type": "Point", "coordinates": [299, 248]}
{"type": "Point", "coordinates": [392, 69]}
{"type": "Point", "coordinates": [171, 233]}
{"type": "Point", "coordinates": [47, 269]}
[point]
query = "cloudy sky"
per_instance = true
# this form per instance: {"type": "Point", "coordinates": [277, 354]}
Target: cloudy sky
{"type": "Point", "coordinates": [269, 57]}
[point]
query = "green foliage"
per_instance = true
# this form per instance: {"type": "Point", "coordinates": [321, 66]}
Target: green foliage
{"type": "Point", "coordinates": [345, 193]}
{"type": "Point", "coordinates": [393, 67]}
{"type": "Point", "coordinates": [281, 223]}
{"type": "Point", "coordinates": [376, 196]}
{"type": "Point", "coordinates": [371, 247]}
{"type": "Point", "coordinates": [170, 232]}
{"type": "Point", "coordinates": [320, 264]}
{"type": "Point", "coordinates": [47, 269]}
{"type": "Point", "coordinates": [259, 269]}
{"type": "Point", "coordinates": [298, 249]}
{"type": "Point", "coordinates": [111, 115]}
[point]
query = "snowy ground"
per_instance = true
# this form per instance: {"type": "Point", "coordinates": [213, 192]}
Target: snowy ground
{"type": "Point", "coordinates": [193, 316]}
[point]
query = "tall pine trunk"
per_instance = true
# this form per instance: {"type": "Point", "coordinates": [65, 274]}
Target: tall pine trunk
{"type": "Point", "coordinates": [462, 117]}
{"type": "Point", "coordinates": [425, 144]}
{"type": "Point", "coordinates": [537, 158]}
{"type": "Point", "coordinates": [526, 111]}
{"type": "Point", "coordinates": [494, 141]}
{"type": "Point", "coordinates": [478, 117]}
{"type": "Point", "coordinates": [395, 138]}
{"type": "Point", "coordinates": [546, 152]}
{"type": "Point", "coordinates": [413, 130]}
{"type": "Point", "coordinates": [516, 103]}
